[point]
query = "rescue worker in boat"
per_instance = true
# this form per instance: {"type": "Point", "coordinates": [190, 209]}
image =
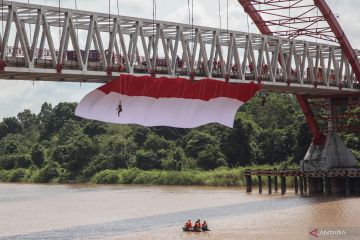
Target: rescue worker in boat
{"type": "Point", "coordinates": [197, 225]}
{"type": "Point", "coordinates": [188, 225]}
{"type": "Point", "coordinates": [204, 226]}
{"type": "Point", "coordinates": [119, 108]}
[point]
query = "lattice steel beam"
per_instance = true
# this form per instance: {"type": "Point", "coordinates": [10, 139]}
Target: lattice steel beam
{"type": "Point", "coordinates": [66, 43]}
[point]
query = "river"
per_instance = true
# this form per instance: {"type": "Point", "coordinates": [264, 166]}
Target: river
{"type": "Point", "coordinates": [31, 211]}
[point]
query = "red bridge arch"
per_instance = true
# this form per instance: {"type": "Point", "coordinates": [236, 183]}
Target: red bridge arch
{"type": "Point", "coordinates": [313, 19]}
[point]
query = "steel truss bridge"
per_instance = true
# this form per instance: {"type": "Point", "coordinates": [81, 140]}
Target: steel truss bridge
{"type": "Point", "coordinates": [43, 43]}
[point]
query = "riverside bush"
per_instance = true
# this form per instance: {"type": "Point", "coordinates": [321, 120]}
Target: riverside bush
{"type": "Point", "coordinates": [106, 177]}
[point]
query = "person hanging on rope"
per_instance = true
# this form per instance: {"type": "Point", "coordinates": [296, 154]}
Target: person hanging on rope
{"type": "Point", "coordinates": [119, 108]}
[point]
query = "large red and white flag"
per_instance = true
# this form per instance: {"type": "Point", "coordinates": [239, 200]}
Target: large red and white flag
{"type": "Point", "coordinates": [165, 101]}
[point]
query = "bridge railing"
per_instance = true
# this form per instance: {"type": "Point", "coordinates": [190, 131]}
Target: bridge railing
{"type": "Point", "coordinates": [43, 59]}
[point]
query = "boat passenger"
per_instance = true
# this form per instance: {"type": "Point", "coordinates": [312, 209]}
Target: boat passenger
{"type": "Point", "coordinates": [197, 225]}
{"type": "Point", "coordinates": [188, 225]}
{"type": "Point", "coordinates": [204, 226]}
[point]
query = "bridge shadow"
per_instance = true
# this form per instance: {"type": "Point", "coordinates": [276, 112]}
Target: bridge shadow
{"type": "Point", "coordinates": [123, 226]}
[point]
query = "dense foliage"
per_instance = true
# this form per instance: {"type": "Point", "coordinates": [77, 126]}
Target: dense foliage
{"type": "Point", "coordinates": [55, 145]}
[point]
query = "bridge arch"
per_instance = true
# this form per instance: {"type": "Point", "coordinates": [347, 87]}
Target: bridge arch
{"type": "Point", "coordinates": [268, 19]}
{"type": "Point", "coordinates": [310, 18]}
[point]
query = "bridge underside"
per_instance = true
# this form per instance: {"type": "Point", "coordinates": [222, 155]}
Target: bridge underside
{"type": "Point", "coordinates": [67, 75]}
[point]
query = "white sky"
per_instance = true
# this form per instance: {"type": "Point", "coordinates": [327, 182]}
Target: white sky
{"type": "Point", "coordinates": [16, 96]}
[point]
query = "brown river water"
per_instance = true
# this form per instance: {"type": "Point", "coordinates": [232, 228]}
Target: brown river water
{"type": "Point", "coordinates": [158, 212]}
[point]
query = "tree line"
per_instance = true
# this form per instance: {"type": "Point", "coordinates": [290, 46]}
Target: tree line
{"type": "Point", "coordinates": [57, 144]}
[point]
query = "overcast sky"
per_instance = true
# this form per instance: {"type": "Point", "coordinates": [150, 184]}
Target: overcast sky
{"type": "Point", "coordinates": [16, 96]}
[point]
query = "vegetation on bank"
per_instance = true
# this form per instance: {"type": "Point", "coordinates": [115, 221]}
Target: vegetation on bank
{"type": "Point", "coordinates": [56, 146]}
{"type": "Point", "coordinates": [217, 177]}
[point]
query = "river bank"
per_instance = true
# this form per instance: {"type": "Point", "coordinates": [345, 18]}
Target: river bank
{"type": "Point", "coordinates": [217, 177]}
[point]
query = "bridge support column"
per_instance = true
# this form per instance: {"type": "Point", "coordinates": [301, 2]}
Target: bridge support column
{"type": "Point", "coordinates": [316, 185]}
{"type": "Point", "coordinates": [334, 153]}
{"type": "Point", "coordinates": [260, 183]}
{"type": "Point", "coordinates": [248, 183]}
{"type": "Point", "coordinates": [301, 185]}
{"type": "Point", "coordinates": [269, 184]}
{"type": "Point", "coordinates": [296, 185]}
{"type": "Point", "coordinates": [330, 153]}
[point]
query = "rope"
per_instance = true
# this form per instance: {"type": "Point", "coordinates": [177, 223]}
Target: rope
{"type": "Point", "coordinates": [2, 18]}
{"type": "Point", "coordinates": [317, 23]}
{"type": "Point", "coordinates": [154, 16]}
{"type": "Point", "coordinates": [227, 15]}
{"type": "Point", "coordinates": [192, 30]}
{"type": "Point", "coordinates": [77, 30]}
{"type": "Point", "coordinates": [289, 21]}
{"type": "Point", "coordinates": [189, 13]}
{"type": "Point", "coordinates": [29, 19]}
{"type": "Point", "coordinates": [219, 13]}
{"type": "Point", "coordinates": [120, 47]}
{"type": "Point", "coordinates": [248, 25]}
{"type": "Point", "coordinates": [59, 19]}
{"type": "Point", "coordinates": [153, 40]}
{"type": "Point", "coordinates": [109, 17]}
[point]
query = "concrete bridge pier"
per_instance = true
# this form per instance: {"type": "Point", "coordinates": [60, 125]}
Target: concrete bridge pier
{"type": "Point", "coordinates": [332, 154]}
{"type": "Point", "coordinates": [315, 185]}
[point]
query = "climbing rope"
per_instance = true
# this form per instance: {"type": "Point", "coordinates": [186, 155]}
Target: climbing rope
{"type": "Point", "coordinates": [118, 9]}
{"type": "Point", "coordinates": [109, 18]}
{"type": "Point", "coordinates": [121, 67]}
{"type": "Point", "coordinates": [192, 40]}
{"type": "Point", "coordinates": [219, 14]}
{"type": "Point", "coordinates": [154, 17]}
{"type": "Point", "coordinates": [29, 22]}
{"type": "Point", "coordinates": [227, 16]}
{"type": "Point", "coordinates": [2, 18]}
{"type": "Point", "coordinates": [248, 25]}
{"type": "Point", "coordinates": [77, 30]}
{"type": "Point", "coordinates": [153, 71]}
{"type": "Point", "coordinates": [59, 19]}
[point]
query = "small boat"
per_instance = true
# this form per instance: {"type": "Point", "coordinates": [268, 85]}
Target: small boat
{"type": "Point", "coordinates": [191, 229]}
{"type": "Point", "coordinates": [205, 229]}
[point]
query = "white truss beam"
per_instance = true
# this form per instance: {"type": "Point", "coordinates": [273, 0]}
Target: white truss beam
{"type": "Point", "coordinates": [102, 46]}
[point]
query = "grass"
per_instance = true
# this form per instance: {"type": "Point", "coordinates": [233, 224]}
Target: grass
{"type": "Point", "coordinates": [217, 177]}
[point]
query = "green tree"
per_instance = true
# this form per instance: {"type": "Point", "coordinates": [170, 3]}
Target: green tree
{"type": "Point", "coordinates": [59, 116]}
{"type": "Point", "coordinates": [9, 126]}
{"type": "Point", "coordinates": [98, 163]}
{"type": "Point", "coordinates": [7, 162]}
{"type": "Point", "coordinates": [93, 128]}
{"type": "Point", "coordinates": [15, 143]}
{"type": "Point", "coordinates": [140, 135]}
{"type": "Point", "coordinates": [211, 157]}
{"type": "Point", "coordinates": [75, 153]}
{"type": "Point", "coordinates": [38, 155]}
{"type": "Point", "coordinates": [11, 161]}
{"type": "Point", "coordinates": [196, 141]}
{"type": "Point", "coordinates": [238, 144]}
{"type": "Point", "coordinates": [155, 143]}
{"type": "Point", "coordinates": [49, 172]}
{"type": "Point", "coordinates": [147, 160]}
{"type": "Point", "coordinates": [30, 124]}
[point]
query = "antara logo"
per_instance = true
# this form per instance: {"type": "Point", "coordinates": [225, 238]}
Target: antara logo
{"type": "Point", "coordinates": [319, 233]}
{"type": "Point", "coordinates": [314, 233]}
